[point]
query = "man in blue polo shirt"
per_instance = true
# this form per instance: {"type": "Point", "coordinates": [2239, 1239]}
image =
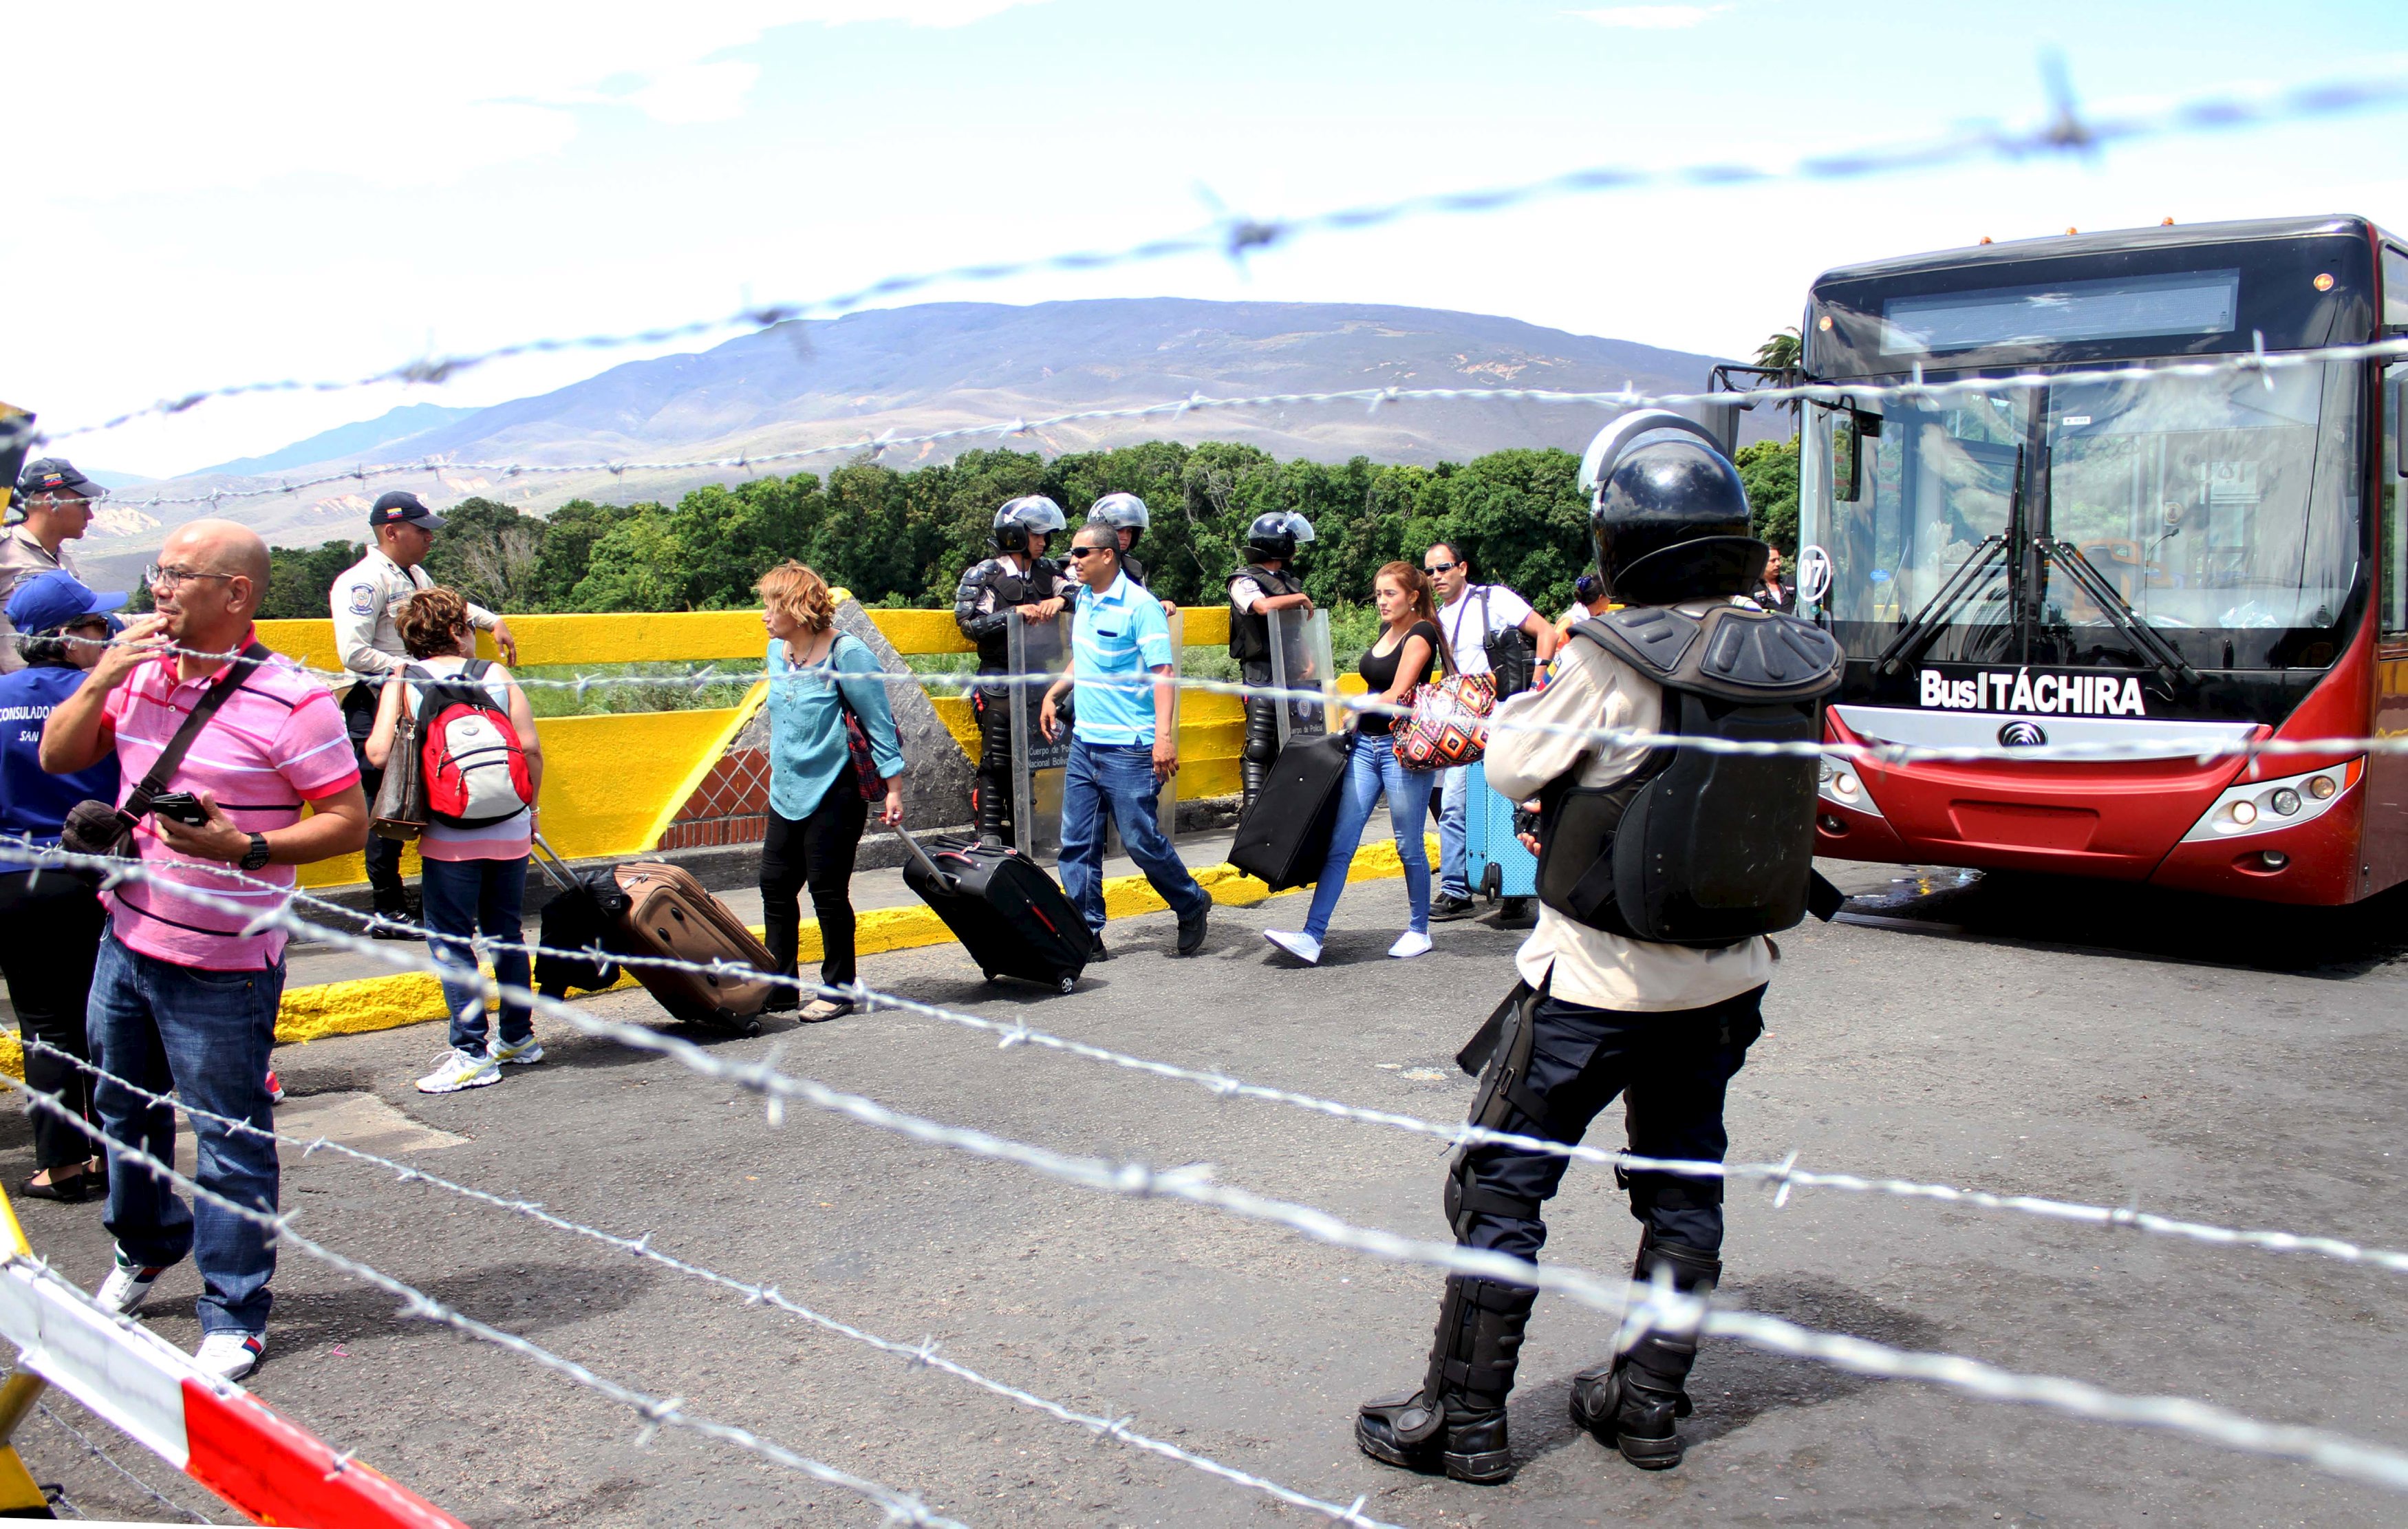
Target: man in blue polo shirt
{"type": "Point", "coordinates": [1123, 743]}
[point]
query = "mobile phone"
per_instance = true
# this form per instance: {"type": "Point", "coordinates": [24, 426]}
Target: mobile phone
{"type": "Point", "coordinates": [181, 807]}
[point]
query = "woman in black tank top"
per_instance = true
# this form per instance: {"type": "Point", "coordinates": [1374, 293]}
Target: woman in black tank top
{"type": "Point", "coordinates": [1399, 662]}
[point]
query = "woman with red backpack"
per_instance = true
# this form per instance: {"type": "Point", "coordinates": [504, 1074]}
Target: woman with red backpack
{"type": "Point", "coordinates": [483, 764]}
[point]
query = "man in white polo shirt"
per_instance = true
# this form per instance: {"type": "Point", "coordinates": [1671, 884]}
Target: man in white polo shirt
{"type": "Point", "coordinates": [1470, 615]}
{"type": "Point", "coordinates": [1124, 743]}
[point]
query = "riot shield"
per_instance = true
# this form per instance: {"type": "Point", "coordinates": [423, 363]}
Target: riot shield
{"type": "Point", "coordinates": [1037, 648]}
{"type": "Point", "coordinates": [1300, 661]}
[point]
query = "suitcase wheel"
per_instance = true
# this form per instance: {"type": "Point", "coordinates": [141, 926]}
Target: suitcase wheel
{"type": "Point", "coordinates": [1492, 881]}
{"type": "Point", "coordinates": [1069, 983]}
{"type": "Point", "coordinates": [989, 976]}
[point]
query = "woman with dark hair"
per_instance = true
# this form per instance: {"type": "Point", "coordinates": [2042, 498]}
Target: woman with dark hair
{"type": "Point", "coordinates": [472, 880]}
{"type": "Point", "coordinates": [818, 806]}
{"type": "Point", "coordinates": [1397, 663]}
{"type": "Point", "coordinates": [51, 925]}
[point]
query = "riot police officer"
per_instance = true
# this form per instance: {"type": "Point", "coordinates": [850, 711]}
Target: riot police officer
{"type": "Point", "coordinates": [1267, 583]}
{"type": "Point", "coordinates": [1658, 997]}
{"type": "Point", "coordinates": [1126, 513]}
{"type": "Point", "coordinates": [1017, 578]}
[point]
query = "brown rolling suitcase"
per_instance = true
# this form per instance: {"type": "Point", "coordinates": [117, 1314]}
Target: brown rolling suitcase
{"type": "Point", "coordinates": [669, 914]}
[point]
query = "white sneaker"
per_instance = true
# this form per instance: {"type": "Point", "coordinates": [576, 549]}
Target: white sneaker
{"type": "Point", "coordinates": [127, 1288]}
{"type": "Point", "coordinates": [456, 1070]}
{"type": "Point", "coordinates": [1409, 944]}
{"type": "Point", "coordinates": [525, 1054]}
{"type": "Point", "coordinates": [1304, 947]}
{"type": "Point", "coordinates": [230, 1356]}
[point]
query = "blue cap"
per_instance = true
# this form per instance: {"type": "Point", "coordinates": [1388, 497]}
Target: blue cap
{"type": "Point", "coordinates": [49, 601]}
{"type": "Point", "coordinates": [402, 507]}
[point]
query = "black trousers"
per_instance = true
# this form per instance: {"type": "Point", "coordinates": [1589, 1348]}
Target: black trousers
{"type": "Point", "coordinates": [816, 852]}
{"type": "Point", "coordinates": [1675, 1067]}
{"type": "Point", "coordinates": [49, 936]}
{"type": "Point", "coordinates": [383, 855]}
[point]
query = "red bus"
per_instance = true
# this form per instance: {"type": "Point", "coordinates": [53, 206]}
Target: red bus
{"type": "Point", "coordinates": [2141, 562]}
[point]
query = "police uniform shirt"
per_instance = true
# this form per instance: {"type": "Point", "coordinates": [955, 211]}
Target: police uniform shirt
{"type": "Point", "coordinates": [1592, 688]}
{"type": "Point", "coordinates": [364, 599]}
{"type": "Point", "coordinates": [22, 558]}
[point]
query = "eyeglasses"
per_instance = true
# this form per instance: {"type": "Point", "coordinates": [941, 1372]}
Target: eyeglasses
{"type": "Point", "coordinates": [156, 575]}
{"type": "Point", "coordinates": [1083, 552]}
{"type": "Point", "coordinates": [1439, 568]}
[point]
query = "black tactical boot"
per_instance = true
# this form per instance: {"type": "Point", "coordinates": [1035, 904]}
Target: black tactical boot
{"type": "Point", "coordinates": [989, 816]}
{"type": "Point", "coordinates": [1250, 783]}
{"type": "Point", "coordinates": [1455, 1423]}
{"type": "Point", "coordinates": [1632, 1402]}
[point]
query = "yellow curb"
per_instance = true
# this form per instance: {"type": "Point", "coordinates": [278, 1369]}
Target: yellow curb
{"type": "Point", "coordinates": [364, 1004]}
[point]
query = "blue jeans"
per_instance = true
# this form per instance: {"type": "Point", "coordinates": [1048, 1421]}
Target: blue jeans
{"type": "Point", "coordinates": [465, 897]}
{"type": "Point", "coordinates": [1372, 768]}
{"type": "Point", "coordinates": [1118, 778]}
{"type": "Point", "coordinates": [207, 1036]}
{"type": "Point", "coordinates": [1453, 868]}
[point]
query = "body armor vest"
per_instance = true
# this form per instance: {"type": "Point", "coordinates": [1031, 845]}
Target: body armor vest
{"type": "Point", "coordinates": [1250, 631]}
{"type": "Point", "coordinates": [1697, 848]}
{"type": "Point", "coordinates": [1012, 587]}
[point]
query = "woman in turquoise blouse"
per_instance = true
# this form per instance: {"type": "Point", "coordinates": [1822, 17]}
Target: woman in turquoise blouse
{"type": "Point", "coordinates": [818, 798]}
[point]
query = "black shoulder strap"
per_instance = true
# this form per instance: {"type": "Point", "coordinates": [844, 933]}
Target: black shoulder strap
{"type": "Point", "coordinates": [163, 769]}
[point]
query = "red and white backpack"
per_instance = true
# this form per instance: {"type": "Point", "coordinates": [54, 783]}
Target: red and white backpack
{"type": "Point", "coordinates": [475, 769]}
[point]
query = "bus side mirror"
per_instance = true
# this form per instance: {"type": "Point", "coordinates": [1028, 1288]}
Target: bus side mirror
{"type": "Point", "coordinates": [1847, 457]}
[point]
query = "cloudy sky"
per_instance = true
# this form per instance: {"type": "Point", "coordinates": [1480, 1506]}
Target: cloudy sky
{"type": "Point", "coordinates": [211, 195]}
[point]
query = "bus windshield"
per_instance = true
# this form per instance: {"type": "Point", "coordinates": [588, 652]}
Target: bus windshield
{"type": "Point", "coordinates": [2220, 512]}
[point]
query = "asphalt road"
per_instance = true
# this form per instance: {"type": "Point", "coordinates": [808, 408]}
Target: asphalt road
{"type": "Point", "coordinates": [2236, 1066]}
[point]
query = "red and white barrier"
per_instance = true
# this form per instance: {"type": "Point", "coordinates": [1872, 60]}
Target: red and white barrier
{"type": "Point", "coordinates": [212, 1429]}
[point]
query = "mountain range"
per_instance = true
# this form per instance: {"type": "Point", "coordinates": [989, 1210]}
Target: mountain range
{"type": "Point", "coordinates": [941, 365]}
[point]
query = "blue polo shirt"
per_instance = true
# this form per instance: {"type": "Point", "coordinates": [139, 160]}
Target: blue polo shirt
{"type": "Point", "coordinates": [1119, 634]}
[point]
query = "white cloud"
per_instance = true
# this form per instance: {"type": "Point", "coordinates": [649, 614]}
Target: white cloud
{"type": "Point", "coordinates": [221, 97]}
{"type": "Point", "coordinates": [1650, 17]}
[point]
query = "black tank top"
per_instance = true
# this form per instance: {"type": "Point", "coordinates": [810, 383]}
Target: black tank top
{"type": "Point", "coordinates": [1379, 672]}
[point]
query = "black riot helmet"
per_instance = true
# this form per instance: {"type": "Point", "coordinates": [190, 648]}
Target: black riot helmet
{"type": "Point", "coordinates": [1122, 512]}
{"type": "Point", "coordinates": [1278, 535]}
{"type": "Point", "coordinates": [1031, 514]}
{"type": "Point", "coordinates": [1669, 511]}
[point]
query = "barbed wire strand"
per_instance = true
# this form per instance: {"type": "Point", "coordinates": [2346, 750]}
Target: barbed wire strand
{"type": "Point", "coordinates": [2205, 747]}
{"type": "Point", "coordinates": [2257, 362]}
{"type": "Point", "coordinates": [2065, 132]}
{"type": "Point", "coordinates": [1782, 1177]}
{"type": "Point", "coordinates": [113, 1463]}
{"type": "Point", "coordinates": [2334, 1453]}
{"type": "Point", "coordinates": [921, 1355]}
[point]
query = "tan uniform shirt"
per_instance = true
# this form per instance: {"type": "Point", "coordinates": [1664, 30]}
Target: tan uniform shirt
{"type": "Point", "coordinates": [364, 600]}
{"type": "Point", "coordinates": [21, 558]}
{"type": "Point", "coordinates": [1592, 688]}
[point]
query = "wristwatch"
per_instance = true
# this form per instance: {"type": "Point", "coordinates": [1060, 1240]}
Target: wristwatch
{"type": "Point", "coordinates": [257, 855]}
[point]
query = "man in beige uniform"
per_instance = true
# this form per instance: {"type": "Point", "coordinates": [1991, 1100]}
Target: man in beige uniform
{"type": "Point", "coordinates": [57, 502]}
{"type": "Point", "coordinates": [1600, 1013]}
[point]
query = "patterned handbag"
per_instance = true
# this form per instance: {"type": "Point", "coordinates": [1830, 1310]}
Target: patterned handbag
{"type": "Point", "coordinates": [1450, 723]}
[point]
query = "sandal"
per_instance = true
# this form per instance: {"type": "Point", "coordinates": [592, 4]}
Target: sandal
{"type": "Point", "coordinates": [820, 1010]}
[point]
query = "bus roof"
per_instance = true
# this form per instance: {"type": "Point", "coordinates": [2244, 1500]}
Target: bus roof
{"type": "Point", "coordinates": [2107, 242]}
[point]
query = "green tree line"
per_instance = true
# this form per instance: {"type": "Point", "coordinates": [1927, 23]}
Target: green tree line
{"type": "Point", "coordinates": [901, 539]}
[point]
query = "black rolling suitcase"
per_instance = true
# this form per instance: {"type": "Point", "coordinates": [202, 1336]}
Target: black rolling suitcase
{"type": "Point", "coordinates": [1284, 837]}
{"type": "Point", "coordinates": [1005, 910]}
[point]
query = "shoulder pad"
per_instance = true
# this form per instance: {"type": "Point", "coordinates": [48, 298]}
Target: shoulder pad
{"type": "Point", "coordinates": [1730, 653]}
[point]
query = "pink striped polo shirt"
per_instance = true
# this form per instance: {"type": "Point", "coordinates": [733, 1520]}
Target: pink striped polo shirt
{"type": "Point", "coordinates": [276, 743]}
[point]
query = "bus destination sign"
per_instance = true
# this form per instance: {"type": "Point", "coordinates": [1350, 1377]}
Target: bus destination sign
{"type": "Point", "coordinates": [2021, 690]}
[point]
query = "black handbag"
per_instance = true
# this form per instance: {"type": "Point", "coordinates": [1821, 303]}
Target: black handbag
{"type": "Point", "coordinates": [1513, 657]}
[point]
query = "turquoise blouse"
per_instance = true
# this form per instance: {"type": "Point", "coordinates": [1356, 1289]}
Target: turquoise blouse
{"type": "Point", "coordinates": [807, 740]}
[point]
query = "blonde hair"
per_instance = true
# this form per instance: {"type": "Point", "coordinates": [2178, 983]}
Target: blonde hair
{"type": "Point", "coordinates": [799, 593]}
{"type": "Point", "coordinates": [430, 622]}
{"type": "Point", "coordinates": [1414, 583]}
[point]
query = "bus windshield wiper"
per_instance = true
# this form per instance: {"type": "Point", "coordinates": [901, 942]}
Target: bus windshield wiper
{"type": "Point", "coordinates": [1918, 634]}
{"type": "Point", "coordinates": [2168, 658]}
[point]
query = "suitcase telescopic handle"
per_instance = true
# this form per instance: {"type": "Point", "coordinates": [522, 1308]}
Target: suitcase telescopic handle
{"type": "Point", "coordinates": [546, 858]}
{"type": "Point", "coordinates": [912, 847]}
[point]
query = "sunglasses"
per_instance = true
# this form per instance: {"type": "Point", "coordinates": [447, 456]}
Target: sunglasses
{"type": "Point", "coordinates": [1083, 552]}
{"type": "Point", "coordinates": [1439, 568]}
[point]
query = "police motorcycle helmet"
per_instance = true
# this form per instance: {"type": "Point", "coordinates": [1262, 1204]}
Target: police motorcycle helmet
{"type": "Point", "coordinates": [1122, 512]}
{"type": "Point", "coordinates": [1277, 534]}
{"type": "Point", "coordinates": [1669, 511]}
{"type": "Point", "coordinates": [1031, 514]}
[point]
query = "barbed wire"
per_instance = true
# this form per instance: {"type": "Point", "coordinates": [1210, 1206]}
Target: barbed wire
{"type": "Point", "coordinates": [921, 1355]}
{"type": "Point", "coordinates": [113, 1463]}
{"type": "Point", "coordinates": [2065, 132]}
{"type": "Point", "coordinates": [2254, 362]}
{"type": "Point", "coordinates": [2205, 747]}
{"type": "Point", "coordinates": [1639, 1305]}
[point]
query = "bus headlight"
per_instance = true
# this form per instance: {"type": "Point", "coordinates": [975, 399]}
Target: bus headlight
{"type": "Point", "coordinates": [1836, 781]}
{"type": "Point", "coordinates": [2263, 806]}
